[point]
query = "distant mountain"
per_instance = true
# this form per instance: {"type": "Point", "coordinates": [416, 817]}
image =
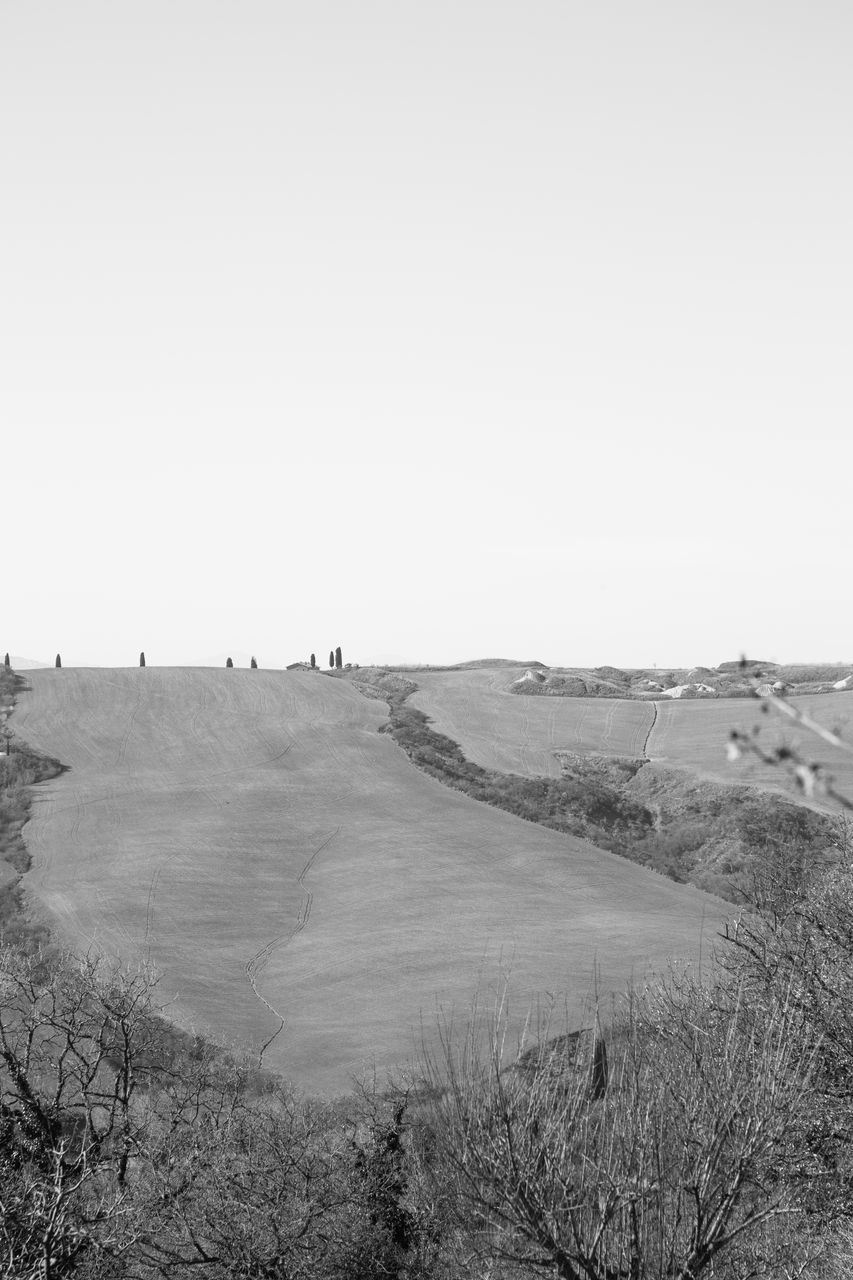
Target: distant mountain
{"type": "Point", "coordinates": [26, 664]}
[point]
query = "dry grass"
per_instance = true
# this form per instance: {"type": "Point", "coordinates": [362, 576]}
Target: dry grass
{"type": "Point", "coordinates": [253, 824]}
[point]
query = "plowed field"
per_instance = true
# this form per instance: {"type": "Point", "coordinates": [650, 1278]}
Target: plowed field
{"type": "Point", "coordinates": [273, 853]}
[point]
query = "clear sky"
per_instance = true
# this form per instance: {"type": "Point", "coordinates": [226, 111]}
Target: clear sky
{"type": "Point", "coordinates": [435, 330]}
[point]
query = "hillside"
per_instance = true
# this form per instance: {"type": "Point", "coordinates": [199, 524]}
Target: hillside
{"type": "Point", "coordinates": [254, 826]}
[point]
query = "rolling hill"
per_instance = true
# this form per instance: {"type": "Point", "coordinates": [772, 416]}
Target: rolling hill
{"type": "Point", "coordinates": [499, 730]}
{"type": "Point", "coordinates": [273, 854]}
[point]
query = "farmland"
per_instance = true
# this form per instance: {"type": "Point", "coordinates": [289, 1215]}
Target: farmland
{"type": "Point", "coordinates": [276, 856]}
{"type": "Point", "coordinates": [519, 734]}
{"type": "Point", "coordinates": [694, 734]}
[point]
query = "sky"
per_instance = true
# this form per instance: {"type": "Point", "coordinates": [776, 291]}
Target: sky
{"type": "Point", "coordinates": [436, 330]}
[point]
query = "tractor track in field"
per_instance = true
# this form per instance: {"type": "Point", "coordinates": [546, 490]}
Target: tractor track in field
{"type": "Point", "coordinates": [645, 751]}
{"type": "Point", "coordinates": [149, 912]}
{"type": "Point", "coordinates": [256, 964]}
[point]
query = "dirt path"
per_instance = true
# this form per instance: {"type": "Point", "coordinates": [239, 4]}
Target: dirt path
{"type": "Point", "coordinates": [259, 961]}
{"type": "Point", "coordinates": [645, 751]}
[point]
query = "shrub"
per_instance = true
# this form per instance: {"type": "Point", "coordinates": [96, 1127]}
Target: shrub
{"type": "Point", "coordinates": [663, 1165]}
{"type": "Point", "coordinates": [126, 1150]}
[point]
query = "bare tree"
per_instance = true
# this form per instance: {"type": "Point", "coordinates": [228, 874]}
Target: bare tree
{"type": "Point", "coordinates": [73, 1036]}
{"type": "Point", "coordinates": [123, 1156]}
{"type": "Point", "coordinates": [242, 1187]}
{"type": "Point", "coordinates": [658, 1175]}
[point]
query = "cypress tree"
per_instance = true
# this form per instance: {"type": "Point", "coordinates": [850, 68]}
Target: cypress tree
{"type": "Point", "coordinates": [313, 660]}
{"type": "Point", "coordinates": [7, 664]}
{"type": "Point", "coordinates": [142, 659]}
{"type": "Point", "coordinates": [253, 665]}
{"type": "Point", "coordinates": [58, 661]}
{"type": "Point", "coordinates": [339, 662]}
{"type": "Point", "coordinates": [228, 662]}
{"type": "Point", "coordinates": [331, 659]}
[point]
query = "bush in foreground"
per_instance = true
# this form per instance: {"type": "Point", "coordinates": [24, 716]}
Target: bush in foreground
{"type": "Point", "coordinates": [124, 1153]}
{"type": "Point", "coordinates": [688, 1151]}
{"type": "Point", "coordinates": [678, 1163]}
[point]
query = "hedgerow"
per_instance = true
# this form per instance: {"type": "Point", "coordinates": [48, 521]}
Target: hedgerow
{"type": "Point", "coordinates": [20, 768]}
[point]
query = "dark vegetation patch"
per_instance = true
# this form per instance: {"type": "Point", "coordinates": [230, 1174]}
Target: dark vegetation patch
{"type": "Point", "coordinates": [386, 686]}
{"type": "Point", "coordinates": [724, 839]}
{"type": "Point", "coordinates": [20, 770]}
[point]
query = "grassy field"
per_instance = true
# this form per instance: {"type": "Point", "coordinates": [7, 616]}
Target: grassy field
{"type": "Point", "coordinates": [255, 835]}
{"type": "Point", "coordinates": [694, 735]}
{"type": "Point", "coordinates": [519, 735]}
